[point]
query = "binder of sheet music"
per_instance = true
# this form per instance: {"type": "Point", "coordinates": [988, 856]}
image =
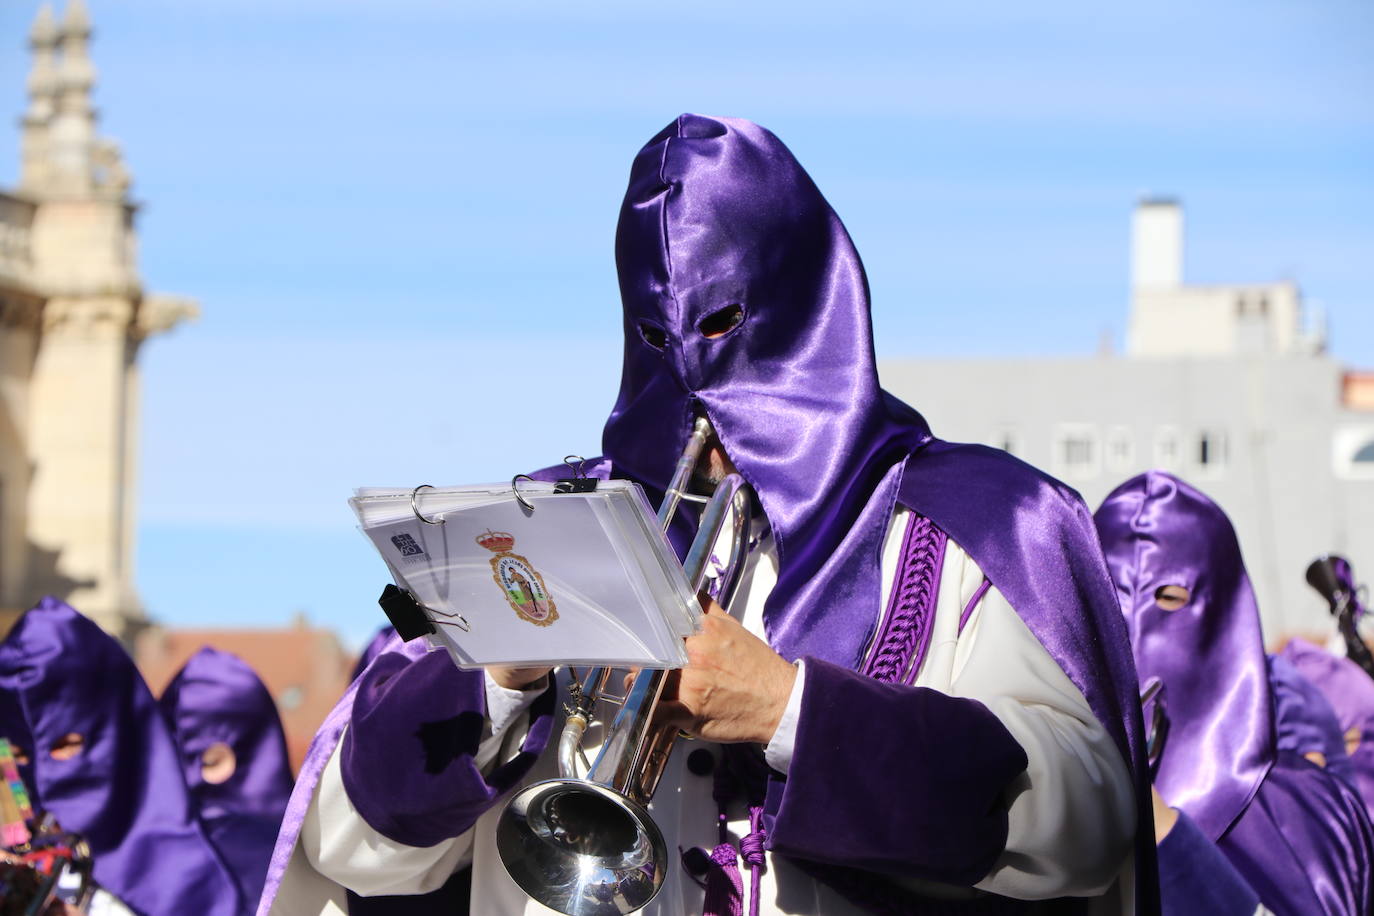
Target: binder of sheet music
{"type": "Point", "coordinates": [581, 578]}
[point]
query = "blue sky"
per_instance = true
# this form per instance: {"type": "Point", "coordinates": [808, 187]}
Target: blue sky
{"type": "Point", "coordinates": [398, 216]}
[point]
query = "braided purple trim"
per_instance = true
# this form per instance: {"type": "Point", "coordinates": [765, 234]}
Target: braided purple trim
{"type": "Point", "coordinates": [905, 636]}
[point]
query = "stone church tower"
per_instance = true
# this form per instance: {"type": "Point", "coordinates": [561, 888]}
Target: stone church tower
{"type": "Point", "coordinates": [73, 314]}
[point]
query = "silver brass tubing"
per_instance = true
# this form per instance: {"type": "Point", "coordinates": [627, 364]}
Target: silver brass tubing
{"type": "Point", "coordinates": [718, 511]}
{"type": "Point", "coordinates": [586, 846]}
{"type": "Point", "coordinates": [630, 759]}
{"type": "Point", "coordinates": [682, 474]}
{"type": "Point", "coordinates": [570, 742]}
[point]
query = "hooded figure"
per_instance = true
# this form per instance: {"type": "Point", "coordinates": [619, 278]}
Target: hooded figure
{"type": "Point", "coordinates": [883, 556]}
{"type": "Point", "coordinates": [233, 752]}
{"type": "Point", "coordinates": [1304, 721]}
{"type": "Point", "coordinates": [1295, 832]}
{"type": "Point", "coordinates": [1351, 694]}
{"type": "Point", "coordinates": [103, 762]}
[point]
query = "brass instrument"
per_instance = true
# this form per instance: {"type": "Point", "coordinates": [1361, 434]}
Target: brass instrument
{"type": "Point", "coordinates": [585, 845]}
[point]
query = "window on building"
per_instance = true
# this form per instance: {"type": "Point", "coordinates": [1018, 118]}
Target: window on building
{"type": "Point", "coordinates": [1120, 449]}
{"type": "Point", "coordinates": [1076, 450]}
{"type": "Point", "coordinates": [1352, 452]}
{"type": "Point", "coordinates": [1212, 450]}
{"type": "Point", "coordinates": [1166, 448]}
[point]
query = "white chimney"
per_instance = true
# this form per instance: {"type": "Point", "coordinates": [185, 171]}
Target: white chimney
{"type": "Point", "coordinates": [1157, 245]}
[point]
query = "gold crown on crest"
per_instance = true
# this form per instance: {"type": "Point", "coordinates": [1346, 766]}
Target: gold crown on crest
{"type": "Point", "coordinates": [496, 541]}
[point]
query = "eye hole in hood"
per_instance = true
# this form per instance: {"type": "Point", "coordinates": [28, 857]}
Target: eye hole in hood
{"type": "Point", "coordinates": [1171, 597]}
{"type": "Point", "coordinates": [721, 321]}
{"type": "Point", "coordinates": [653, 335]}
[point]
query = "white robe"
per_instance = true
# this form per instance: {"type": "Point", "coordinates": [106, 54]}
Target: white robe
{"type": "Point", "coordinates": [1071, 820]}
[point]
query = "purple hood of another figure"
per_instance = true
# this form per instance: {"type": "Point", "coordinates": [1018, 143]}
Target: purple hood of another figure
{"type": "Point", "coordinates": [124, 791]}
{"type": "Point", "coordinates": [1350, 691]}
{"type": "Point", "coordinates": [214, 698]}
{"type": "Point", "coordinates": [1156, 531]}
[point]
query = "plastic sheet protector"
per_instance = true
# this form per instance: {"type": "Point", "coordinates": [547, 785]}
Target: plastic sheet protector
{"type": "Point", "coordinates": [581, 578]}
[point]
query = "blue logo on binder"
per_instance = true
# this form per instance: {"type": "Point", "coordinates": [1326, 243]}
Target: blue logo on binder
{"type": "Point", "coordinates": [407, 545]}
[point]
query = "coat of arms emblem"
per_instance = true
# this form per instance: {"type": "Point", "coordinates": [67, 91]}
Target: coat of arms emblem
{"type": "Point", "coordinates": [524, 587]}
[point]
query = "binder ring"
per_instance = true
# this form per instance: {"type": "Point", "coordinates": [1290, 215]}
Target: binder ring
{"type": "Point", "coordinates": [462, 623]}
{"type": "Point", "coordinates": [516, 490]}
{"type": "Point", "coordinates": [416, 509]}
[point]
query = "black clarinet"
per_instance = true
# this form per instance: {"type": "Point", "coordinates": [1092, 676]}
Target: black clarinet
{"type": "Point", "coordinates": [1322, 576]}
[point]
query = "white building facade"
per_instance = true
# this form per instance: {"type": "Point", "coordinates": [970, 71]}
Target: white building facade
{"type": "Point", "coordinates": [1225, 386]}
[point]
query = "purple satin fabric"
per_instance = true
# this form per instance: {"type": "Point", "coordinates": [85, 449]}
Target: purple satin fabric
{"type": "Point", "coordinates": [407, 760]}
{"type": "Point", "coordinates": [1033, 538]}
{"type": "Point", "coordinates": [1196, 878]}
{"type": "Point", "coordinates": [1351, 694]}
{"type": "Point", "coordinates": [952, 824]}
{"type": "Point", "coordinates": [718, 213]}
{"type": "Point", "coordinates": [321, 749]}
{"type": "Point", "coordinates": [1304, 843]}
{"type": "Point", "coordinates": [1304, 721]}
{"type": "Point", "coordinates": [1157, 530]}
{"type": "Point", "coordinates": [125, 791]}
{"type": "Point", "coordinates": [380, 640]}
{"type": "Point", "coordinates": [216, 698]}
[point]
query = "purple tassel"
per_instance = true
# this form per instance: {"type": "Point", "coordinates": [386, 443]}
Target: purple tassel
{"type": "Point", "coordinates": [724, 889]}
{"type": "Point", "coordinates": [751, 848]}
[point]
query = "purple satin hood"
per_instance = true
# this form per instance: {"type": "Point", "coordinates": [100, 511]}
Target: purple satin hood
{"type": "Point", "coordinates": [124, 792]}
{"type": "Point", "coordinates": [1157, 530]}
{"type": "Point", "coordinates": [216, 697]}
{"type": "Point", "coordinates": [718, 213]}
{"type": "Point", "coordinates": [1350, 691]}
{"type": "Point", "coordinates": [1304, 721]}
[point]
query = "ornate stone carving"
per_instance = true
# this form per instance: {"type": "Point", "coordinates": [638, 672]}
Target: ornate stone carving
{"type": "Point", "coordinates": [88, 317]}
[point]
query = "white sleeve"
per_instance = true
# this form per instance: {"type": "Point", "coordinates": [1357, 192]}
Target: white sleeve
{"type": "Point", "coordinates": [1072, 813]}
{"type": "Point", "coordinates": [778, 752]}
{"type": "Point", "coordinates": [341, 846]}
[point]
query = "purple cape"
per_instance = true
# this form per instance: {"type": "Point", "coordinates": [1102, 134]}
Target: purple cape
{"type": "Point", "coordinates": [721, 230]}
{"type": "Point", "coordinates": [124, 791]}
{"type": "Point", "coordinates": [1351, 694]}
{"type": "Point", "coordinates": [217, 698]}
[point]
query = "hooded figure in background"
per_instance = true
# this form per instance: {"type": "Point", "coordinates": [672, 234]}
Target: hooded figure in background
{"type": "Point", "coordinates": [1296, 834]}
{"type": "Point", "coordinates": [959, 722]}
{"type": "Point", "coordinates": [1350, 692]}
{"type": "Point", "coordinates": [1304, 721]}
{"type": "Point", "coordinates": [103, 762]}
{"type": "Point", "coordinates": [233, 752]}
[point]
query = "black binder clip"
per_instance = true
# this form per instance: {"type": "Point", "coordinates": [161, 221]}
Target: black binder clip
{"type": "Point", "coordinates": [579, 482]}
{"type": "Point", "coordinates": [405, 613]}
